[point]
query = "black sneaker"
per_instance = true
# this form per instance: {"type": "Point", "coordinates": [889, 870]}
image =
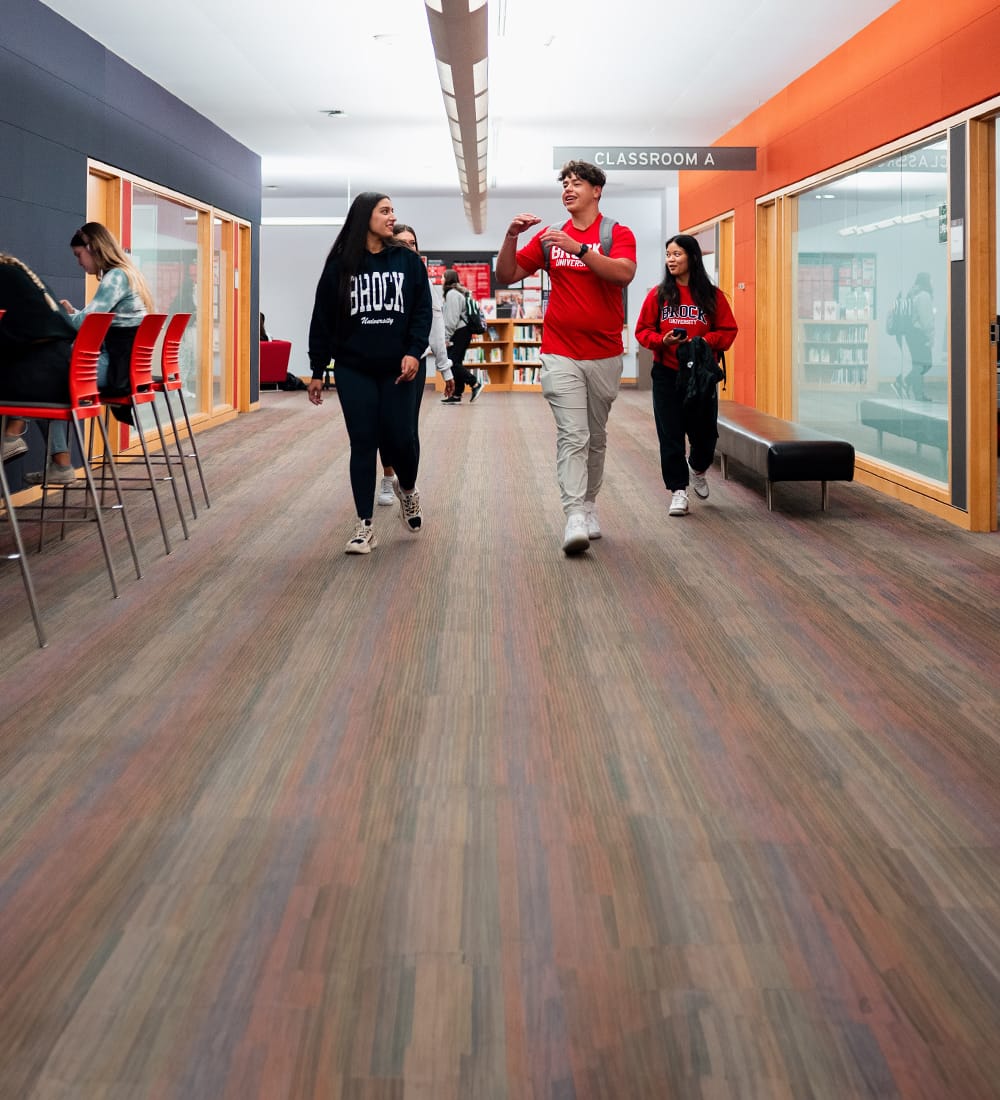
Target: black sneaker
{"type": "Point", "coordinates": [409, 507]}
{"type": "Point", "coordinates": [453, 400]}
{"type": "Point", "coordinates": [476, 390]}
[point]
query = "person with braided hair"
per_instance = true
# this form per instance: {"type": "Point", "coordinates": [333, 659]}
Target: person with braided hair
{"type": "Point", "coordinates": [36, 342]}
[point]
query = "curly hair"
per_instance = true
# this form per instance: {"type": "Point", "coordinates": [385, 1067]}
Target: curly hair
{"type": "Point", "coordinates": [585, 171]}
{"type": "Point", "coordinates": [6, 258]}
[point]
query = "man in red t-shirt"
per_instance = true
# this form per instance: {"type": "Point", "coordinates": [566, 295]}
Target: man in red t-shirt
{"type": "Point", "coordinates": [582, 338]}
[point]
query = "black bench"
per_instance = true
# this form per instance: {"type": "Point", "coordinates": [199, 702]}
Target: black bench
{"type": "Point", "coordinates": [921, 421]}
{"type": "Point", "coordinates": [779, 450]}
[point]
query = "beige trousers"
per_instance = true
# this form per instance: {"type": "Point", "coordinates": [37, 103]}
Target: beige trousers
{"type": "Point", "coordinates": [580, 393]}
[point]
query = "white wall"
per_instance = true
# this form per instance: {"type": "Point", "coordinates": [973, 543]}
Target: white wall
{"type": "Point", "coordinates": [291, 259]}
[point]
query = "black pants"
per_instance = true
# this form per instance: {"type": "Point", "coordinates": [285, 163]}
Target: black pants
{"type": "Point", "coordinates": [920, 357]}
{"type": "Point", "coordinates": [380, 416]}
{"type": "Point", "coordinates": [456, 353]}
{"type": "Point", "coordinates": [673, 425]}
{"type": "Point", "coordinates": [35, 372]}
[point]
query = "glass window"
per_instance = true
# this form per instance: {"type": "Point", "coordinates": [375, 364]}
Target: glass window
{"type": "Point", "coordinates": [222, 258]}
{"type": "Point", "coordinates": [870, 361]}
{"type": "Point", "coordinates": [165, 248]}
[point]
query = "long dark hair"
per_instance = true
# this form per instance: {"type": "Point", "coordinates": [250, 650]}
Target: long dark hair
{"type": "Point", "coordinates": [703, 290]}
{"type": "Point", "coordinates": [349, 247]}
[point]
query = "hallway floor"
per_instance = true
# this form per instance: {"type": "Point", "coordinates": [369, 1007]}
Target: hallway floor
{"type": "Point", "coordinates": [709, 812]}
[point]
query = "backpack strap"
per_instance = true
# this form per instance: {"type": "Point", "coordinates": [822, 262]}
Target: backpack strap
{"type": "Point", "coordinates": [607, 236]}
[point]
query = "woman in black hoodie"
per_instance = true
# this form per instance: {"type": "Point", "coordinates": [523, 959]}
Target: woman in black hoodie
{"type": "Point", "coordinates": [372, 316]}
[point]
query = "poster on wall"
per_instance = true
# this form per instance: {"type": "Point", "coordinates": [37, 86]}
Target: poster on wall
{"type": "Point", "coordinates": [475, 278]}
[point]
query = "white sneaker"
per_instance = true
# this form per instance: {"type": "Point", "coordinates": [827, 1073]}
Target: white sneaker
{"type": "Point", "coordinates": [590, 515]}
{"type": "Point", "coordinates": [678, 503]}
{"type": "Point", "coordinates": [13, 445]}
{"type": "Point", "coordinates": [699, 482]}
{"type": "Point", "coordinates": [409, 507]}
{"type": "Point", "coordinates": [57, 475]}
{"type": "Point", "coordinates": [575, 538]}
{"type": "Point", "coordinates": [385, 493]}
{"type": "Point", "coordinates": [363, 540]}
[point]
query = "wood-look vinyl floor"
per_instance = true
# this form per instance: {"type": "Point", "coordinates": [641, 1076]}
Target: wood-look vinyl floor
{"type": "Point", "coordinates": [711, 812]}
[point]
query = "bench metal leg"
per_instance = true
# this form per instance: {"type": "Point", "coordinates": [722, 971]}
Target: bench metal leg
{"type": "Point", "coordinates": [769, 483]}
{"type": "Point", "coordinates": [724, 463]}
{"type": "Point", "coordinates": [826, 496]}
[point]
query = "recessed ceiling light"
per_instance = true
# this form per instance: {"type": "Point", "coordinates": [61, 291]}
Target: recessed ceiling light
{"type": "Point", "coordinates": [271, 187]}
{"type": "Point", "coordinates": [333, 112]}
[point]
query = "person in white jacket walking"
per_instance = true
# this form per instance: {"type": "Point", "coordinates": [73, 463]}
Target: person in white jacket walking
{"type": "Point", "coordinates": [406, 235]}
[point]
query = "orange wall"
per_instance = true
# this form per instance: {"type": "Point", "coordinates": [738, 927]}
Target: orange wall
{"type": "Point", "coordinates": [920, 62]}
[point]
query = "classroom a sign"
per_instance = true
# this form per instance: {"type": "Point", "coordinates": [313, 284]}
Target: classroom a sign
{"type": "Point", "coordinates": [661, 158]}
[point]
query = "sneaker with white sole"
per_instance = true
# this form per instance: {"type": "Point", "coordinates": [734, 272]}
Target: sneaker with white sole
{"type": "Point", "coordinates": [57, 475]}
{"type": "Point", "coordinates": [477, 389]}
{"type": "Point", "coordinates": [363, 540]}
{"type": "Point", "coordinates": [678, 503]}
{"type": "Point", "coordinates": [590, 515]}
{"type": "Point", "coordinates": [385, 494]}
{"type": "Point", "coordinates": [575, 537]}
{"type": "Point", "coordinates": [699, 482]}
{"type": "Point", "coordinates": [13, 445]}
{"type": "Point", "coordinates": [409, 507]}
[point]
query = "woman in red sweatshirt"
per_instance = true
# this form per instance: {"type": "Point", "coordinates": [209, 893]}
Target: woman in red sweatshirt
{"type": "Point", "coordinates": [686, 304]}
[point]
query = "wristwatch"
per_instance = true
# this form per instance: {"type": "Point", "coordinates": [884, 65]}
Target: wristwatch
{"type": "Point", "coordinates": [584, 249]}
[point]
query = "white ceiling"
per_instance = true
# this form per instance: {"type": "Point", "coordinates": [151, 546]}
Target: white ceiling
{"type": "Point", "coordinates": [583, 73]}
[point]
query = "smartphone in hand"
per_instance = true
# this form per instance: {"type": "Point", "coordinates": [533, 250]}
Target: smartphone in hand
{"type": "Point", "coordinates": [680, 333]}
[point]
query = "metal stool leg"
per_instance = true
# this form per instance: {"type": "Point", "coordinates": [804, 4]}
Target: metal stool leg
{"type": "Point", "coordinates": [194, 447]}
{"type": "Point", "coordinates": [165, 452]}
{"type": "Point", "coordinates": [180, 451]}
{"type": "Point", "coordinates": [22, 559]}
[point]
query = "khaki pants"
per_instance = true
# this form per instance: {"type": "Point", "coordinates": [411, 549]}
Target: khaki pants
{"type": "Point", "coordinates": [580, 393]}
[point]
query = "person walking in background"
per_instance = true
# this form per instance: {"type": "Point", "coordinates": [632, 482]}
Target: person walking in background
{"type": "Point", "coordinates": [581, 348]}
{"type": "Point", "coordinates": [686, 304]}
{"type": "Point", "coordinates": [457, 336]}
{"type": "Point", "coordinates": [372, 315]}
{"type": "Point", "coordinates": [406, 236]}
{"type": "Point", "coordinates": [122, 291]}
{"type": "Point", "coordinates": [919, 334]}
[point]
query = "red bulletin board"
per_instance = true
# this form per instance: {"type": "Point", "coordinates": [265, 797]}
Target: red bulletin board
{"type": "Point", "coordinates": [476, 278]}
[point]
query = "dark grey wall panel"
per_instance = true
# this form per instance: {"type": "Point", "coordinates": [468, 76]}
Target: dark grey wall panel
{"type": "Point", "coordinates": [63, 98]}
{"type": "Point", "coordinates": [60, 87]}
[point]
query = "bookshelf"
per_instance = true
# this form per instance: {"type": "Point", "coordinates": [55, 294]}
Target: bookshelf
{"type": "Point", "coordinates": [492, 353]}
{"type": "Point", "coordinates": [837, 355]}
{"type": "Point", "coordinates": [525, 350]}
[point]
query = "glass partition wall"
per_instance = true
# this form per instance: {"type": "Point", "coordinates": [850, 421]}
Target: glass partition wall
{"type": "Point", "coordinates": [187, 253]}
{"type": "Point", "coordinates": [870, 309]}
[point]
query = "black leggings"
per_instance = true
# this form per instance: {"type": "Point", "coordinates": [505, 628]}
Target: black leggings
{"type": "Point", "coordinates": [456, 353]}
{"type": "Point", "coordinates": [672, 425]}
{"type": "Point", "coordinates": [380, 417]}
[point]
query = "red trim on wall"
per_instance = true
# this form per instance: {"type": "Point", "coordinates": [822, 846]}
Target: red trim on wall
{"type": "Point", "coordinates": [917, 64]}
{"type": "Point", "coordinates": [125, 239]}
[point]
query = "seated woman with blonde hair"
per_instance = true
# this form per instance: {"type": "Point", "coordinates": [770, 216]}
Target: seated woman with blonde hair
{"type": "Point", "coordinates": [122, 291]}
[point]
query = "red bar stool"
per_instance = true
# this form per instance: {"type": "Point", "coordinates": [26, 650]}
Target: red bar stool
{"type": "Point", "coordinates": [84, 404]}
{"type": "Point", "coordinates": [141, 392]}
{"type": "Point", "coordinates": [170, 382]}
